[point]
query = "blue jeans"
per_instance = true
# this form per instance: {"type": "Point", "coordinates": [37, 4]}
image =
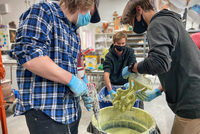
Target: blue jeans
{"type": "Point", "coordinates": [40, 123]}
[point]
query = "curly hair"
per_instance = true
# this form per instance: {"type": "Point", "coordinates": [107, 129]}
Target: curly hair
{"type": "Point", "coordinates": [130, 9]}
{"type": "Point", "coordinates": [73, 5]}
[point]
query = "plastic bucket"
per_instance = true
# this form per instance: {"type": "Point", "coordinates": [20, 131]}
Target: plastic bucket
{"type": "Point", "coordinates": [104, 92]}
{"type": "Point", "coordinates": [136, 120]}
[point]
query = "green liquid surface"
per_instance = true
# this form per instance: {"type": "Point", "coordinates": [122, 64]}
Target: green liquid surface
{"type": "Point", "coordinates": [119, 130]}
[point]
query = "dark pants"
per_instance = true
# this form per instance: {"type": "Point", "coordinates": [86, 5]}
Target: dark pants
{"type": "Point", "coordinates": [141, 104]}
{"type": "Point", "coordinates": [40, 123]}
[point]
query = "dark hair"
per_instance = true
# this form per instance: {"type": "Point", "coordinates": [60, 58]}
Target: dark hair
{"type": "Point", "coordinates": [73, 5]}
{"type": "Point", "coordinates": [130, 9]}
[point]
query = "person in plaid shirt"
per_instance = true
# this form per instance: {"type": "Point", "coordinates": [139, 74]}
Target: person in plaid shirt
{"type": "Point", "coordinates": [47, 48]}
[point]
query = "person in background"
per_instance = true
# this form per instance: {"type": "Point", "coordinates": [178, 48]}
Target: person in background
{"type": "Point", "coordinates": [174, 57]}
{"type": "Point", "coordinates": [196, 38]}
{"type": "Point", "coordinates": [47, 48]}
{"type": "Point", "coordinates": [81, 67]}
{"type": "Point", "coordinates": [116, 59]}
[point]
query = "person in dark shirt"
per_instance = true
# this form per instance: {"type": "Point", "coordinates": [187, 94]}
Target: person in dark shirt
{"type": "Point", "coordinates": [116, 59]}
{"type": "Point", "coordinates": [174, 57]}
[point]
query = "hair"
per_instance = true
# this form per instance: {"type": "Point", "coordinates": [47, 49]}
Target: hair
{"type": "Point", "coordinates": [130, 10]}
{"type": "Point", "coordinates": [73, 5]}
{"type": "Point", "coordinates": [118, 36]}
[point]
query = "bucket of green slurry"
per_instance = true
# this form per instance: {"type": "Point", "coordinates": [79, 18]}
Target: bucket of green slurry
{"type": "Point", "coordinates": [135, 121]}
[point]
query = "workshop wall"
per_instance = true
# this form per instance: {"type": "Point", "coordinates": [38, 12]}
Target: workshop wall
{"type": "Point", "coordinates": [16, 8]}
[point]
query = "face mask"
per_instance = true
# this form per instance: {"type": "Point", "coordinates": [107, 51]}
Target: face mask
{"type": "Point", "coordinates": [119, 48]}
{"type": "Point", "coordinates": [140, 27]}
{"type": "Point", "coordinates": [83, 19]}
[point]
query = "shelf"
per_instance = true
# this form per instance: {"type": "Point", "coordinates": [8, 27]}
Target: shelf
{"type": "Point", "coordinates": [104, 34]}
{"type": "Point", "coordinates": [141, 55]}
{"type": "Point", "coordinates": [140, 48]}
{"type": "Point", "coordinates": [134, 34]}
{"type": "Point", "coordinates": [133, 44]}
{"type": "Point", "coordinates": [105, 39]}
{"type": "Point", "coordinates": [193, 31]}
{"type": "Point", "coordinates": [134, 39]}
{"type": "Point", "coordinates": [100, 34]}
{"type": "Point", "coordinates": [99, 41]}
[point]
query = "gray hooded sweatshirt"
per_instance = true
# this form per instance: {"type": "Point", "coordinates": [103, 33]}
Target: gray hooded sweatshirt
{"type": "Point", "coordinates": [176, 59]}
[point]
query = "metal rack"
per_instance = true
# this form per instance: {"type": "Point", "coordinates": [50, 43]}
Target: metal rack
{"type": "Point", "coordinates": [139, 43]}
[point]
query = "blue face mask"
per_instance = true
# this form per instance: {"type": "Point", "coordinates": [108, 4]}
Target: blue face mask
{"type": "Point", "coordinates": [83, 19]}
{"type": "Point", "coordinates": [140, 26]}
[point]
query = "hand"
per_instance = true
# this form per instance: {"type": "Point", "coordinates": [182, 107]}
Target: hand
{"type": "Point", "coordinates": [87, 102]}
{"type": "Point", "coordinates": [77, 86]}
{"type": "Point", "coordinates": [125, 73]}
{"type": "Point", "coordinates": [148, 96]}
{"type": "Point", "coordinates": [85, 79]}
{"type": "Point", "coordinates": [126, 85]}
{"type": "Point", "coordinates": [111, 92]}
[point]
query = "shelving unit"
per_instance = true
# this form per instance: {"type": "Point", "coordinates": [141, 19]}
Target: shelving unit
{"type": "Point", "coordinates": [138, 43]}
{"type": "Point", "coordinates": [193, 31]}
{"type": "Point", "coordinates": [103, 40]}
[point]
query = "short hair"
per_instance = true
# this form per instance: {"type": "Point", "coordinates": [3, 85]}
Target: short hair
{"type": "Point", "coordinates": [118, 36]}
{"type": "Point", "coordinates": [73, 5]}
{"type": "Point", "coordinates": [130, 10]}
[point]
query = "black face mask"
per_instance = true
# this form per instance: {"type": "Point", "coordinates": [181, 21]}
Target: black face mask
{"type": "Point", "coordinates": [119, 48]}
{"type": "Point", "coordinates": [140, 27]}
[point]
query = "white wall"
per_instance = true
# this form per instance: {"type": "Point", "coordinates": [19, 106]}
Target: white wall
{"type": "Point", "coordinates": [106, 10]}
{"type": "Point", "coordinates": [16, 8]}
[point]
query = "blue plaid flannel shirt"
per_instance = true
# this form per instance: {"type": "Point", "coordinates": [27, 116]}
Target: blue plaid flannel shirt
{"type": "Point", "coordinates": [44, 30]}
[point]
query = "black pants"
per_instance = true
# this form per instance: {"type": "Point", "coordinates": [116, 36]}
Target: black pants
{"type": "Point", "coordinates": [141, 105]}
{"type": "Point", "coordinates": [40, 123]}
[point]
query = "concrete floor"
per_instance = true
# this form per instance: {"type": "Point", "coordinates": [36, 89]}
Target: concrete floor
{"type": "Point", "coordinates": [157, 108]}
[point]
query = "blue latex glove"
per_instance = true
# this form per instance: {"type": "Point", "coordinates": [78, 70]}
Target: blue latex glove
{"type": "Point", "coordinates": [111, 93]}
{"type": "Point", "coordinates": [126, 85]}
{"type": "Point", "coordinates": [148, 96]}
{"type": "Point", "coordinates": [77, 86]}
{"type": "Point", "coordinates": [85, 79]}
{"type": "Point", "coordinates": [98, 97]}
{"type": "Point", "coordinates": [125, 72]}
{"type": "Point", "coordinates": [87, 102]}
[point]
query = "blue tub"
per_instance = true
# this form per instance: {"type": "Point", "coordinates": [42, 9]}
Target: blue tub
{"type": "Point", "coordinates": [104, 92]}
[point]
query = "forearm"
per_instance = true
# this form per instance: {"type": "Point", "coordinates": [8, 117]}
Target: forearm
{"type": "Point", "coordinates": [82, 65]}
{"type": "Point", "coordinates": [107, 81]}
{"type": "Point", "coordinates": [46, 68]}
